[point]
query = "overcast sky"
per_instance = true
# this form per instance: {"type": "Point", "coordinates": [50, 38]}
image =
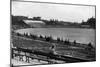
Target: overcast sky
{"type": "Point", "coordinates": [72, 13]}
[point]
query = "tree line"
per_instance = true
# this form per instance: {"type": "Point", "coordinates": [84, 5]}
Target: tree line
{"type": "Point", "coordinates": [90, 22]}
{"type": "Point", "coordinates": [50, 39]}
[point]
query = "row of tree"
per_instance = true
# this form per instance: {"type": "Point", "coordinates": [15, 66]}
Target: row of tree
{"type": "Point", "coordinates": [46, 38]}
{"type": "Point", "coordinates": [19, 21]}
{"type": "Point", "coordinates": [50, 39]}
{"type": "Point", "coordinates": [91, 21]}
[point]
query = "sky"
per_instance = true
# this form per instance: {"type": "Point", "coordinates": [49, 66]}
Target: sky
{"type": "Point", "coordinates": [71, 13]}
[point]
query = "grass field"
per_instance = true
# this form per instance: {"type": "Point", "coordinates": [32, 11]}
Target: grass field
{"type": "Point", "coordinates": [73, 51]}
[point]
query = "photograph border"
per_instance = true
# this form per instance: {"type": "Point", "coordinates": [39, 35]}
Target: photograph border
{"type": "Point", "coordinates": [46, 3]}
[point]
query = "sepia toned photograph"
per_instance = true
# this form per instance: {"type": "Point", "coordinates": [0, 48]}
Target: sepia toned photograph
{"type": "Point", "coordinates": [44, 33]}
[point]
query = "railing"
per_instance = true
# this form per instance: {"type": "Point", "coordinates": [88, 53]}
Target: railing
{"type": "Point", "coordinates": [50, 58]}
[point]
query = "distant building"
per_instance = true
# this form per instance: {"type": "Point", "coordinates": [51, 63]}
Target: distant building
{"type": "Point", "coordinates": [34, 23]}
